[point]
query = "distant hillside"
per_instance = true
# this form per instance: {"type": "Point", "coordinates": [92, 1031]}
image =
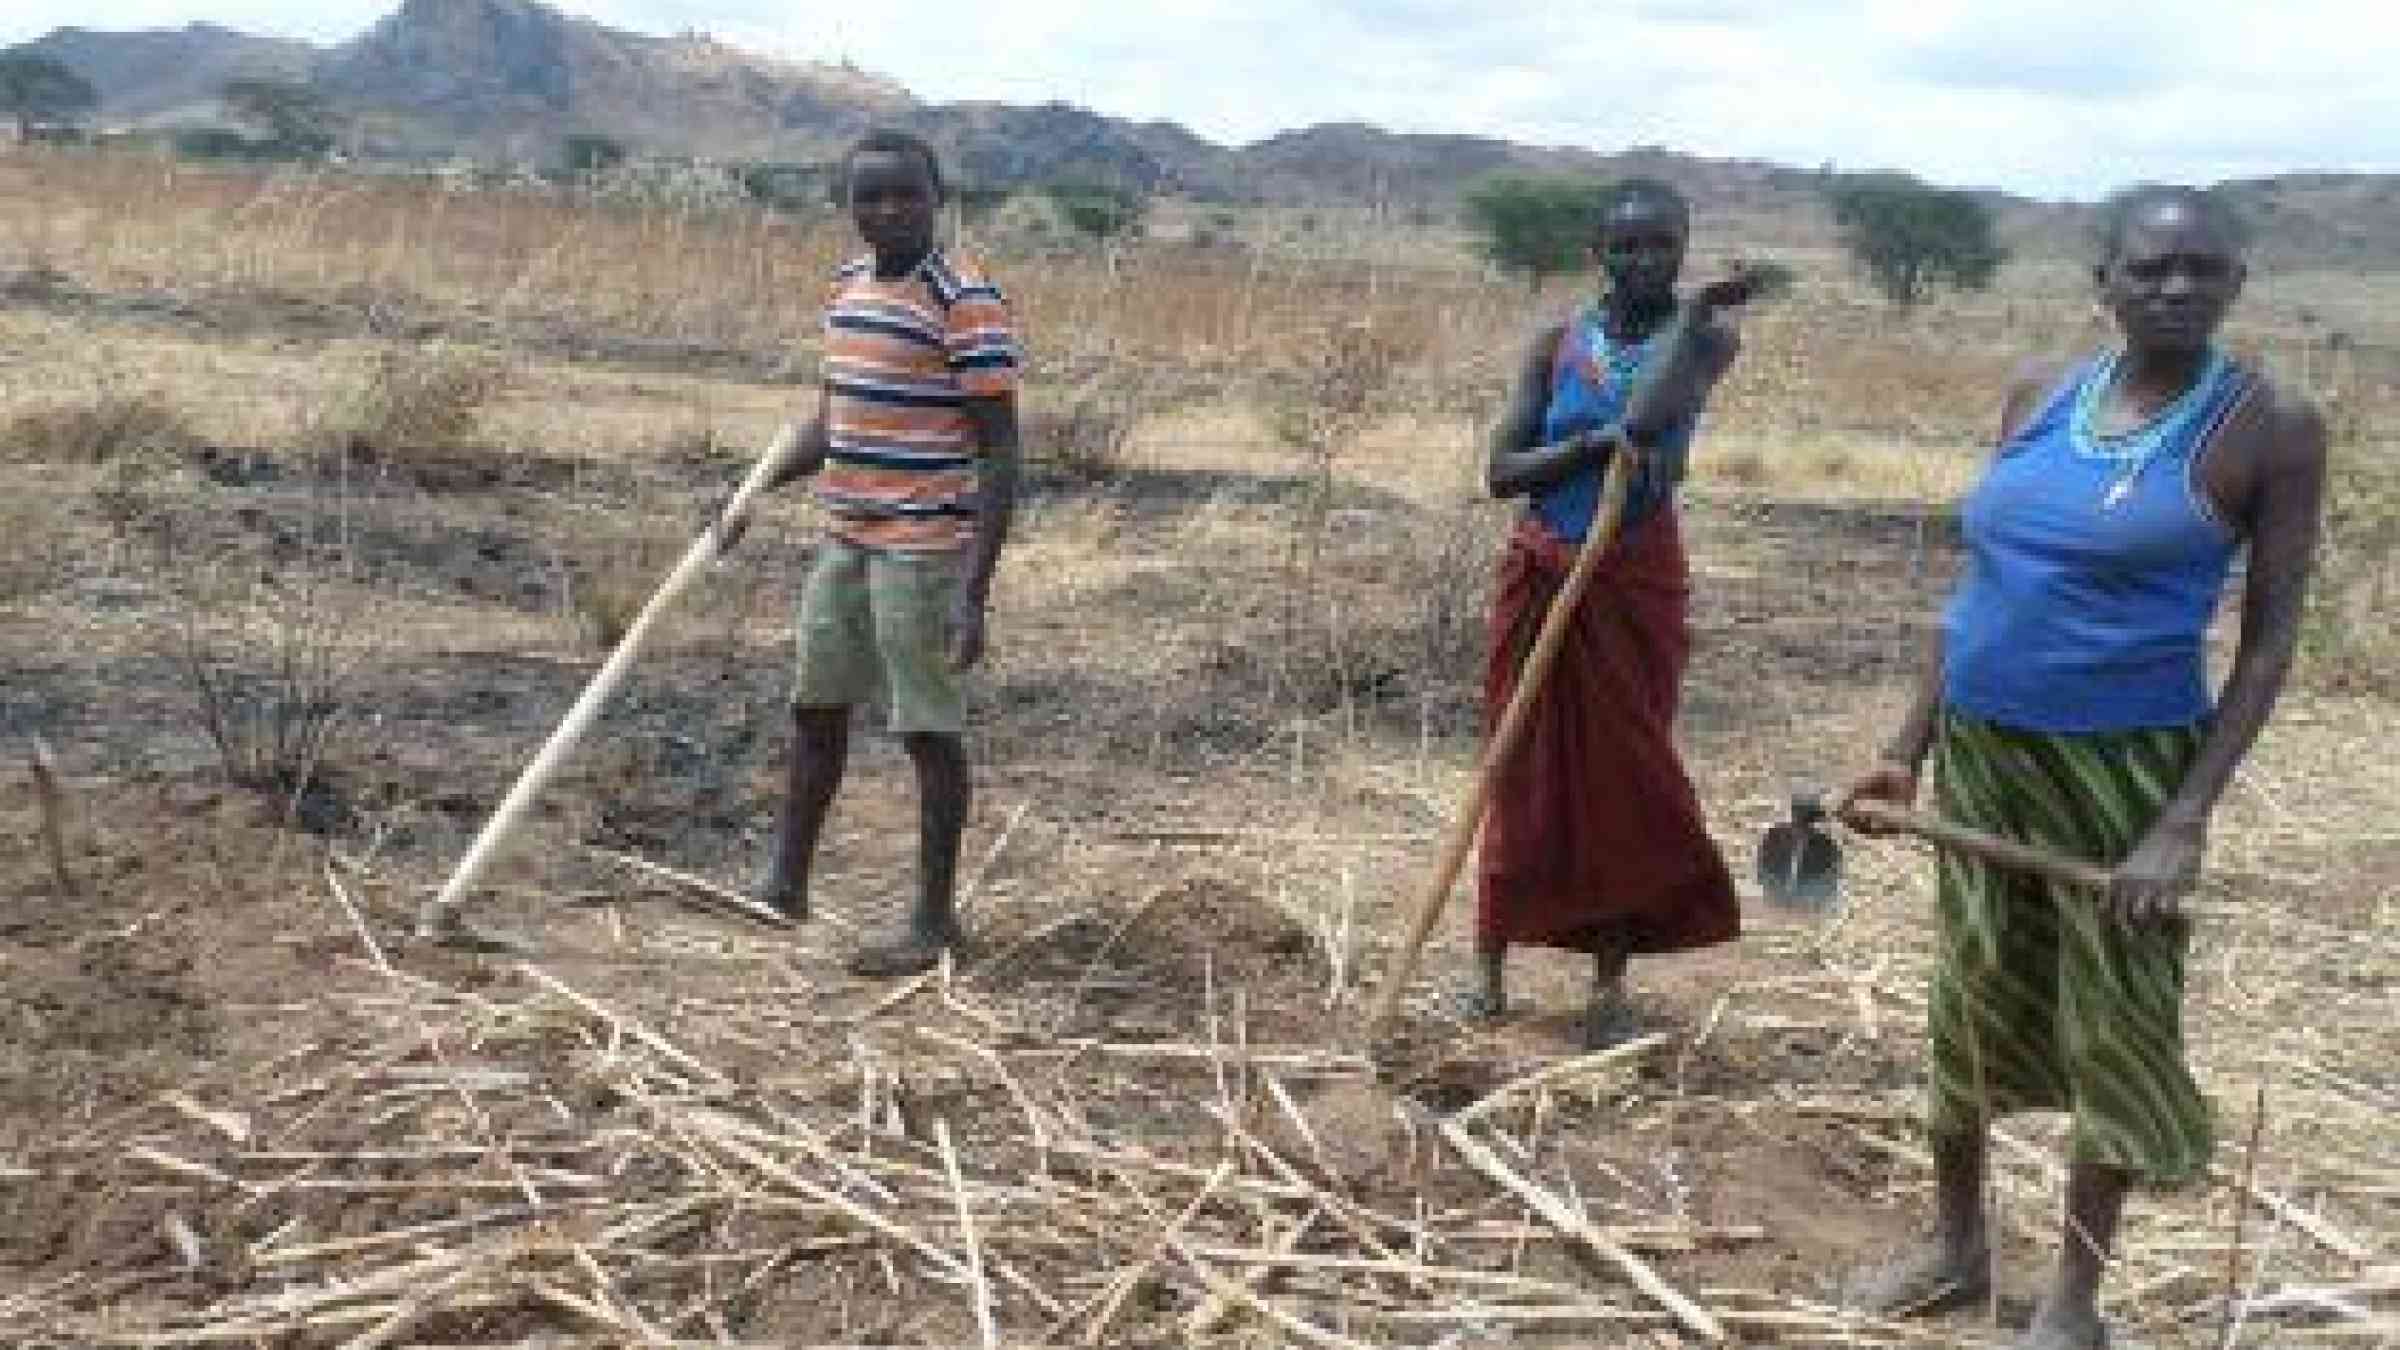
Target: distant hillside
{"type": "Point", "coordinates": [1003, 144]}
{"type": "Point", "coordinates": [170, 74]}
{"type": "Point", "coordinates": [2346, 220]}
{"type": "Point", "coordinates": [510, 79]}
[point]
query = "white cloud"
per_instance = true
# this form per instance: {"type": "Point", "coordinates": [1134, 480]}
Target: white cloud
{"type": "Point", "coordinates": [2056, 97]}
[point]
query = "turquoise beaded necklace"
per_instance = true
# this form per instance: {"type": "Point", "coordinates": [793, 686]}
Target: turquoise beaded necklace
{"type": "Point", "coordinates": [2134, 449]}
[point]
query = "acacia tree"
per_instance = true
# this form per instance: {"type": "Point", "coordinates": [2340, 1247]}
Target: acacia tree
{"type": "Point", "coordinates": [37, 88]}
{"type": "Point", "coordinates": [590, 152]}
{"type": "Point", "coordinates": [1911, 236]}
{"type": "Point", "coordinates": [1098, 211]}
{"type": "Point", "coordinates": [296, 116]}
{"type": "Point", "coordinates": [977, 201]}
{"type": "Point", "coordinates": [1541, 226]}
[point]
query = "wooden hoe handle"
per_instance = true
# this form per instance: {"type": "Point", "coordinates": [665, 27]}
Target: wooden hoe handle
{"type": "Point", "coordinates": [1469, 819]}
{"type": "Point", "coordinates": [1989, 847]}
{"type": "Point", "coordinates": [437, 915]}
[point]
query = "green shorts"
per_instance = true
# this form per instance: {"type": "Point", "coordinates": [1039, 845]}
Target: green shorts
{"type": "Point", "coordinates": [872, 621]}
{"type": "Point", "coordinates": [2039, 1000]}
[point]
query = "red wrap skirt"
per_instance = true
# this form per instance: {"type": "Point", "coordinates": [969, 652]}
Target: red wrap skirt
{"type": "Point", "coordinates": [1594, 837]}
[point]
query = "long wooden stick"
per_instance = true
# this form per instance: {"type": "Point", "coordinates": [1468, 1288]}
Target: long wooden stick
{"type": "Point", "coordinates": [1220, 1287]}
{"type": "Point", "coordinates": [437, 919]}
{"type": "Point", "coordinates": [700, 887]}
{"type": "Point", "coordinates": [666, 1048]}
{"type": "Point", "coordinates": [1130, 1279]}
{"type": "Point", "coordinates": [1569, 1221]}
{"type": "Point", "coordinates": [1989, 847]}
{"type": "Point", "coordinates": [976, 1283]}
{"type": "Point", "coordinates": [1204, 1319]}
{"type": "Point", "coordinates": [1565, 1068]}
{"type": "Point", "coordinates": [2230, 1324]}
{"type": "Point", "coordinates": [1469, 821]}
{"type": "Point", "coordinates": [53, 800]}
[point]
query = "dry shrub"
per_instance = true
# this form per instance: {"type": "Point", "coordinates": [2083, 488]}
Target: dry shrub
{"type": "Point", "coordinates": [1747, 466]}
{"type": "Point", "coordinates": [1832, 462]}
{"type": "Point", "coordinates": [1320, 407]}
{"type": "Point", "coordinates": [699, 443]}
{"type": "Point", "coordinates": [612, 572]}
{"type": "Point", "coordinates": [1331, 395]}
{"type": "Point", "coordinates": [136, 491]}
{"type": "Point", "coordinates": [1335, 386]}
{"type": "Point", "coordinates": [2349, 639]}
{"type": "Point", "coordinates": [412, 403]}
{"type": "Point", "coordinates": [268, 659]}
{"type": "Point", "coordinates": [1086, 433]}
{"type": "Point", "coordinates": [269, 637]}
{"type": "Point", "coordinates": [104, 427]}
{"type": "Point", "coordinates": [33, 549]}
{"type": "Point", "coordinates": [1450, 567]}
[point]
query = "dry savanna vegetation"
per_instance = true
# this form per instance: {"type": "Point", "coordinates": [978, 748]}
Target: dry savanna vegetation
{"type": "Point", "coordinates": [325, 495]}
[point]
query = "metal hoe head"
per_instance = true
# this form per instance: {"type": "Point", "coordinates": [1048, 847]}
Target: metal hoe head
{"type": "Point", "coordinates": [1799, 862]}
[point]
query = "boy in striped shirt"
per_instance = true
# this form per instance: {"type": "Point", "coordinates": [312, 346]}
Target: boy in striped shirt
{"type": "Point", "coordinates": [914, 449]}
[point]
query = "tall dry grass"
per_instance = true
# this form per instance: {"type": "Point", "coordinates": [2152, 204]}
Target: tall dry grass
{"type": "Point", "coordinates": [409, 401]}
{"type": "Point", "coordinates": [1834, 395]}
{"type": "Point", "coordinates": [117, 422]}
{"type": "Point", "coordinates": [397, 250]}
{"type": "Point", "coordinates": [400, 254]}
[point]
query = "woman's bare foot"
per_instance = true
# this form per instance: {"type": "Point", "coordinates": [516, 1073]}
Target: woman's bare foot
{"type": "Point", "coordinates": [1932, 1278]}
{"type": "Point", "coordinates": [912, 953]}
{"type": "Point", "coordinates": [2063, 1326]}
{"type": "Point", "coordinates": [779, 890]}
{"type": "Point", "coordinates": [1611, 1020]}
{"type": "Point", "coordinates": [1478, 1002]}
{"type": "Point", "coordinates": [1486, 1000]}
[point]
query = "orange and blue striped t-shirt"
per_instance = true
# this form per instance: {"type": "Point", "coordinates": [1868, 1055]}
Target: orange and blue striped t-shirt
{"type": "Point", "coordinates": [901, 359]}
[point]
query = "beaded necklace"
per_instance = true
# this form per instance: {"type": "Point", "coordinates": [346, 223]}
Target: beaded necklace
{"type": "Point", "coordinates": [2138, 446]}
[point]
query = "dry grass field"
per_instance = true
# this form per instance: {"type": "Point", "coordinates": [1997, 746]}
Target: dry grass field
{"type": "Point", "coordinates": [323, 497]}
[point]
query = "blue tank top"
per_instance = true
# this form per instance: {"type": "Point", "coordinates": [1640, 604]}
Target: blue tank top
{"type": "Point", "coordinates": [2093, 566]}
{"type": "Point", "coordinates": [1589, 382]}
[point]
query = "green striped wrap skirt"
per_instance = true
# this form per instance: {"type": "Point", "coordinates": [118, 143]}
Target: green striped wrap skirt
{"type": "Point", "coordinates": [2040, 1002]}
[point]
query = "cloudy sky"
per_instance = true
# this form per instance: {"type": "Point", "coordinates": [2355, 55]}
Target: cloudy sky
{"type": "Point", "coordinates": [2060, 98]}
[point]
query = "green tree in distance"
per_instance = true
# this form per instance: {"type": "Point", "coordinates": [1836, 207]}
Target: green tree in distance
{"type": "Point", "coordinates": [1539, 225]}
{"type": "Point", "coordinates": [1911, 236]}
{"type": "Point", "coordinates": [296, 116]}
{"type": "Point", "coordinates": [35, 89]}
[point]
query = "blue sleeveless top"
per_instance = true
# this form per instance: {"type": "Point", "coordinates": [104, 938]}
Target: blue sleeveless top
{"type": "Point", "coordinates": [2093, 566]}
{"type": "Point", "coordinates": [1589, 383]}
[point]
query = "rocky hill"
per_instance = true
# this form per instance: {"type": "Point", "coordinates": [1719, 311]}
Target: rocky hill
{"type": "Point", "coordinates": [2341, 220]}
{"type": "Point", "coordinates": [511, 79]}
{"type": "Point", "coordinates": [168, 75]}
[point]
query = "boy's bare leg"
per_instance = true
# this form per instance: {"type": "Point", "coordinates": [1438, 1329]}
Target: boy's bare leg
{"type": "Point", "coordinates": [944, 794]}
{"type": "Point", "coordinates": [820, 752]}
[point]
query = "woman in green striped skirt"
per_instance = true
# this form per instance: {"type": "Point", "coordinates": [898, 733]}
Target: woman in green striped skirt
{"type": "Point", "coordinates": [2065, 703]}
